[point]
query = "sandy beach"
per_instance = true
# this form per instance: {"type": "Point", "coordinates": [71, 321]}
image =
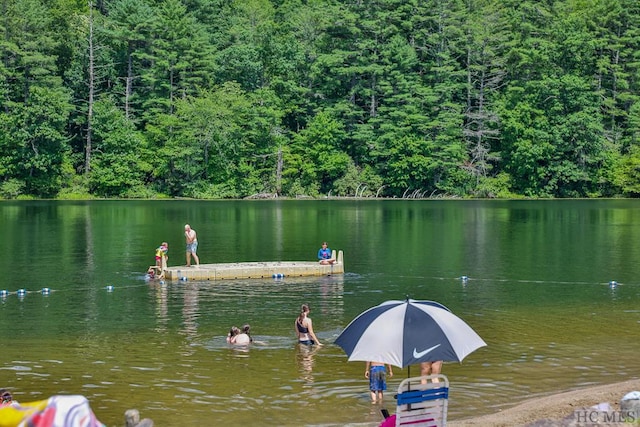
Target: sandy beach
{"type": "Point", "coordinates": [553, 410]}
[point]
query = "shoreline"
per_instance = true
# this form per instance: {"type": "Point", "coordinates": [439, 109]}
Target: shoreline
{"type": "Point", "coordinates": [555, 407]}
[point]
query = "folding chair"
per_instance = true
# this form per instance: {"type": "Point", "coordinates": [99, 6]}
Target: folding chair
{"type": "Point", "coordinates": [422, 401]}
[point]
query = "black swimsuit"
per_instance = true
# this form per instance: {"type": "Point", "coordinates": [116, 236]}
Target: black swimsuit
{"type": "Point", "coordinates": [301, 329]}
{"type": "Point", "coordinates": [304, 330]}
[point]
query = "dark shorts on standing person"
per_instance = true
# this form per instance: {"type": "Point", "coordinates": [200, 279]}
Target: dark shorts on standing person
{"type": "Point", "coordinates": [307, 342]}
{"type": "Point", "coordinates": [377, 378]}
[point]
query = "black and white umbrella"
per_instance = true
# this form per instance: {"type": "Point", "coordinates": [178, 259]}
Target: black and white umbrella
{"type": "Point", "coordinates": [404, 333]}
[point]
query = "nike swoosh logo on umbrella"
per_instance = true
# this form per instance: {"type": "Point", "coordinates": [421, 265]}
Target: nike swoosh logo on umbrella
{"type": "Point", "coordinates": [418, 355]}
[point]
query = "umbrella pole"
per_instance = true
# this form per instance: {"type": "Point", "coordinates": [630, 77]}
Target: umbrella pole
{"type": "Point", "coordinates": [409, 384]}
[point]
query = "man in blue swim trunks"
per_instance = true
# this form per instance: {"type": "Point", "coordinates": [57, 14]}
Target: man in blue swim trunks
{"type": "Point", "coordinates": [192, 245]}
{"type": "Point", "coordinates": [377, 375]}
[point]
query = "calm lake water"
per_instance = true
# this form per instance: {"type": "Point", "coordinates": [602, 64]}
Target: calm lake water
{"type": "Point", "coordinates": [538, 293]}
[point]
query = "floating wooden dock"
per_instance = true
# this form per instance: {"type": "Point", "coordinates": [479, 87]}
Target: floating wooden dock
{"type": "Point", "coordinates": [256, 270]}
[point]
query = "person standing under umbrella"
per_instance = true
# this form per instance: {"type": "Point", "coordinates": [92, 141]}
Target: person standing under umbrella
{"type": "Point", "coordinates": [377, 375]}
{"type": "Point", "coordinates": [430, 368]}
{"type": "Point", "coordinates": [304, 328]}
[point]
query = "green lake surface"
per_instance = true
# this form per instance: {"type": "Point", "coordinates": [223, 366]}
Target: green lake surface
{"type": "Point", "coordinates": [538, 292]}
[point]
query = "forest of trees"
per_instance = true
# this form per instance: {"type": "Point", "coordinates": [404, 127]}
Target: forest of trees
{"type": "Point", "coordinates": [367, 98]}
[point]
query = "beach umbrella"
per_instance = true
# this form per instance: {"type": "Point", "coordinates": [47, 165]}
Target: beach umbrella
{"type": "Point", "coordinates": [403, 333]}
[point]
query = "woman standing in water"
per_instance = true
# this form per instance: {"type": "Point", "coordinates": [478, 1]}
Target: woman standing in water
{"type": "Point", "coordinates": [304, 328]}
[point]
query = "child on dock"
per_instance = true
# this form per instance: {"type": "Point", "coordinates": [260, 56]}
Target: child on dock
{"type": "Point", "coordinates": [158, 269]}
{"type": "Point", "coordinates": [160, 252]}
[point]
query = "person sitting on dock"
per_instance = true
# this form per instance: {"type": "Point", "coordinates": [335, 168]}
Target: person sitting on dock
{"type": "Point", "coordinates": [324, 255]}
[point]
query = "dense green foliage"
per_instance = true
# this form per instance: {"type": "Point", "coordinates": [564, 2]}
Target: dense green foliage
{"type": "Point", "coordinates": [395, 98]}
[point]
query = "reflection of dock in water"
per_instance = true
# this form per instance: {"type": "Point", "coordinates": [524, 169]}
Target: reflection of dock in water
{"type": "Point", "coordinates": [256, 270]}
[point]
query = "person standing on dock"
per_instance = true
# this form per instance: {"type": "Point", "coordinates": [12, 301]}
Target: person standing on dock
{"type": "Point", "coordinates": [192, 244]}
{"type": "Point", "coordinates": [161, 251]}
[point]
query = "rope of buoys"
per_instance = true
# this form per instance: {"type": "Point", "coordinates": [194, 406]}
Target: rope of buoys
{"type": "Point", "coordinates": [22, 292]}
{"type": "Point", "coordinates": [46, 291]}
{"type": "Point", "coordinates": [466, 279]}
